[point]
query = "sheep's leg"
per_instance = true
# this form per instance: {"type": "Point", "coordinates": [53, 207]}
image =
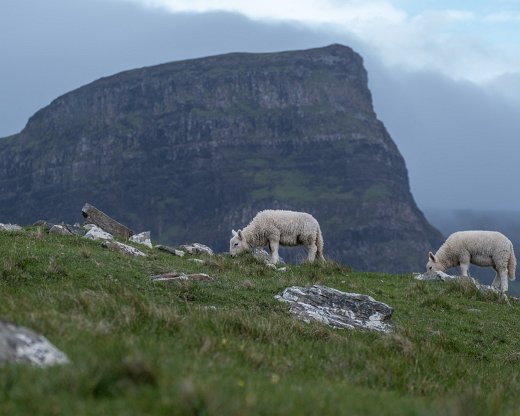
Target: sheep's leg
{"type": "Point", "coordinates": [496, 280]}
{"type": "Point", "coordinates": [273, 246]}
{"type": "Point", "coordinates": [504, 285]}
{"type": "Point", "coordinates": [311, 252]}
{"type": "Point", "coordinates": [464, 267]}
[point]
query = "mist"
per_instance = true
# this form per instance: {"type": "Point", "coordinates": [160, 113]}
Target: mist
{"type": "Point", "coordinates": [459, 139]}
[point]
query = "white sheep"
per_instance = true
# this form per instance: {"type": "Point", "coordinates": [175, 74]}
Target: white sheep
{"type": "Point", "coordinates": [279, 227]}
{"type": "Point", "coordinates": [482, 248]}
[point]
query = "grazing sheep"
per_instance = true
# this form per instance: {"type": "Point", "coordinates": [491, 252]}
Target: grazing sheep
{"type": "Point", "coordinates": [482, 248]}
{"type": "Point", "coordinates": [278, 227]}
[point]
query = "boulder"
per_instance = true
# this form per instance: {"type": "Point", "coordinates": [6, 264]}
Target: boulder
{"type": "Point", "coordinates": [262, 255]}
{"type": "Point", "coordinates": [337, 309]}
{"type": "Point", "coordinates": [142, 238]}
{"type": "Point", "coordinates": [197, 248]}
{"type": "Point", "coordinates": [60, 230]}
{"type": "Point", "coordinates": [176, 276]}
{"type": "Point", "coordinates": [122, 248]}
{"type": "Point", "coordinates": [10, 227]}
{"type": "Point", "coordinates": [170, 250]}
{"type": "Point", "coordinates": [433, 275]}
{"type": "Point", "coordinates": [44, 224]}
{"type": "Point", "coordinates": [96, 233]}
{"type": "Point", "coordinates": [76, 229]}
{"type": "Point", "coordinates": [105, 222]}
{"type": "Point", "coordinates": [22, 345]}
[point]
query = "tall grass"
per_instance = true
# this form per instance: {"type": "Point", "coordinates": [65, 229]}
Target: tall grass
{"type": "Point", "coordinates": [229, 347]}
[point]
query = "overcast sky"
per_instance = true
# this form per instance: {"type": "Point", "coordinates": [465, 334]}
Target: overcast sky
{"type": "Point", "coordinates": [444, 75]}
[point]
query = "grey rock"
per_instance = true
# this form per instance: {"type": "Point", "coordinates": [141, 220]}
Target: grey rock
{"type": "Point", "coordinates": [60, 230]}
{"type": "Point", "coordinates": [432, 275]}
{"type": "Point", "coordinates": [197, 248]}
{"type": "Point", "coordinates": [170, 250]}
{"type": "Point", "coordinates": [10, 227]}
{"type": "Point", "coordinates": [105, 222]}
{"type": "Point", "coordinates": [96, 233]}
{"type": "Point", "coordinates": [44, 224]}
{"type": "Point", "coordinates": [176, 276]}
{"type": "Point", "coordinates": [262, 255]}
{"type": "Point", "coordinates": [337, 309]}
{"type": "Point", "coordinates": [122, 248]}
{"type": "Point", "coordinates": [76, 229]}
{"type": "Point", "coordinates": [142, 238]}
{"type": "Point", "coordinates": [22, 345]}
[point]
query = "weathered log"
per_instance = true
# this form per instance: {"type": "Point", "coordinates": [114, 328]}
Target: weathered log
{"type": "Point", "coordinates": [108, 224]}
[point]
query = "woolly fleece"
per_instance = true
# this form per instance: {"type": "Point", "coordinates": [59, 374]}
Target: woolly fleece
{"type": "Point", "coordinates": [482, 248]}
{"type": "Point", "coordinates": [279, 227]}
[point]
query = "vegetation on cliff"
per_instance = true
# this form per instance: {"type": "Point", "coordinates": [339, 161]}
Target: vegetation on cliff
{"type": "Point", "coordinates": [192, 149]}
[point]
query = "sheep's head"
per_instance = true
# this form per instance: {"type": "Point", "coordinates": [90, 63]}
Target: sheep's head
{"type": "Point", "coordinates": [238, 244]}
{"type": "Point", "coordinates": [433, 264]}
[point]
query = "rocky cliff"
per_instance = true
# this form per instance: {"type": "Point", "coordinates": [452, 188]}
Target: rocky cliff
{"type": "Point", "coordinates": [194, 148]}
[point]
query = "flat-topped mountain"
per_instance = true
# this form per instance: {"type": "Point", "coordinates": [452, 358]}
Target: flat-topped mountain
{"type": "Point", "coordinates": [192, 149]}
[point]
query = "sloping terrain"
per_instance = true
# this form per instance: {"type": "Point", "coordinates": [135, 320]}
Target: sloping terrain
{"type": "Point", "coordinates": [229, 347]}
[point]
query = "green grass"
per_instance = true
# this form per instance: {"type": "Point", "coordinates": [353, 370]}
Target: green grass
{"type": "Point", "coordinates": [229, 348]}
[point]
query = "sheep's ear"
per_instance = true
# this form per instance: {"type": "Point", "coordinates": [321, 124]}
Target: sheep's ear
{"type": "Point", "coordinates": [234, 233]}
{"type": "Point", "coordinates": [432, 257]}
{"type": "Point", "coordinates": [240, 235]}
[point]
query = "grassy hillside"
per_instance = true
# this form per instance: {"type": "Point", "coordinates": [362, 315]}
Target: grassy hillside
{"type": "Point", "coordinates": [229, 348]}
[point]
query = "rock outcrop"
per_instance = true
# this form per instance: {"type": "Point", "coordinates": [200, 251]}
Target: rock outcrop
{"type": "Point", "coordinates": [192, 149]}
{"type": "Point", "coordinates": [21, 345]}
{"type": "Point", "coordinates": [337, 309]}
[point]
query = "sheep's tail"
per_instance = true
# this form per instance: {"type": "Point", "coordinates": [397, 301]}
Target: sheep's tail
{"type": "Point", "coordinates": [511, 265]}
{"type": "Point", "coordinates": [319, 245]}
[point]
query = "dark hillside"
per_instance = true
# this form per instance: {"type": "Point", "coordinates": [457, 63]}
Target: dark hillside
{"type": "Point", "coordinates": [195, 148]}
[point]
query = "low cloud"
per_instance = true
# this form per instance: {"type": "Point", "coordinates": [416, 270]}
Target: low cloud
{"type": "Point", "coordinates": [455, 42]}
{"type": "Point", "coordinates": [457, 137]}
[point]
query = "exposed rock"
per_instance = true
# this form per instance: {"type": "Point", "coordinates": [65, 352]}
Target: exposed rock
{"type": "Point", "coordinates": [336, 308]}
{"type": "Point", "coordinates": [274, 267]}
{"type": "Point", "coordinates": [176, 276]}
{"type": "Point", "coordinates": [60, 230]}
{"type": "Point", "coordinates": [76, 229]}
{"type": "Point", "coordinates": [44, 224]}
{"type": "Point", "coordinates": [10, 227]}
{"type": "Point", "coordinates": [199, 261]}
{"type": "Point", "coordinates": [96, 233]}
{"type": "Point", "coordinates": [197, 248]}
{"type": "Point", "coordinates": [102, 220]}
{"type": "Point", "coordinates": [262, 255]}
{"type": "Point", "coordinates": [142, 238]}
{"type": "Point", "coordinates": [441, 276]}
{"type": "Point", "coordinates": [22, 345]}
{"type": "Point", "coordinates": [122, 248]}
{"type": "Point", "coordinates": [170, 250]}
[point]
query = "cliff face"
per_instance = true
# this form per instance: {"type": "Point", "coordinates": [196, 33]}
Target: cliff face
{"type": "Point", "coordinates": [194, 148]}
